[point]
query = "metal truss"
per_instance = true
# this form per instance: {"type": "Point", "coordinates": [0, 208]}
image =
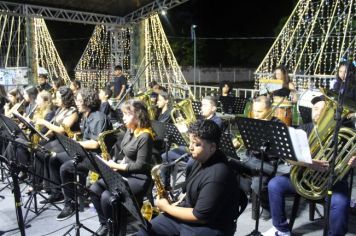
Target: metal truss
{"type": "Point", "coordinates": [150, 9]}
{"type": "Point", "coordinates": [58, 14]}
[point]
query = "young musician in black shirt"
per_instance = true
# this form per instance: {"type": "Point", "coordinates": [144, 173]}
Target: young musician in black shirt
{"type": "Point", "coordinates": [210, 205]}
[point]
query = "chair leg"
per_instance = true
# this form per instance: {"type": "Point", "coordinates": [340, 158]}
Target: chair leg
{"type": "Point", "coordinates": [312, 206]}
{"type": "Point", "coordinates": [294, 211]}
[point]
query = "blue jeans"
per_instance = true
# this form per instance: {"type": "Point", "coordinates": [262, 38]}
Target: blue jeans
{"type": "Point", "coordinates": [168, 226]}
{"type": "Point", "coordinates": [280, 186]}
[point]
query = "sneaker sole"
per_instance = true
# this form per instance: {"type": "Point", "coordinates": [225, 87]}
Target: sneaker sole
{"type": "Point", "coordinates": [67, 217]}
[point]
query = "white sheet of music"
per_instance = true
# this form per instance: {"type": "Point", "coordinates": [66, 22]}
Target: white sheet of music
{"type": "Point", "coordinates": [300, 144]}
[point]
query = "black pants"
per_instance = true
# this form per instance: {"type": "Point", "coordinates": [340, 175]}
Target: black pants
{"type": "Point", "coordinates": [67, 171]}
{"type": "Point", "coordinates": [101, 197]}
{"type": "Point", "coordinates": [55, 164]}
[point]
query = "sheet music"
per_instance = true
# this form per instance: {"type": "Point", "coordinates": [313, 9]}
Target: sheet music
{"type": "Point", "coordinates": [300, 145]}
{"type": "Point", "coordinates": [270, 85]}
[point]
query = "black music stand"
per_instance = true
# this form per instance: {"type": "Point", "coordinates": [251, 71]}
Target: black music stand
{"type": "Point", "coordinates": [266, 137]}
{"type": "Point", "coordinates": [122, 195]}
{"type": "Point", "coordinates": [227, 147]}
{"type": "Point", "coordinates": [196, 107]}
{"type": "Point", "coordinates": [77, 152]}
{"type": "Point", "coordinates": [11, 131]}
{"type": "Point", "coordinates": [175, 136]}
{"type": "Point", "coordinates": [233, 105]}
{"type": "Point", "coordinates": [35, 192]}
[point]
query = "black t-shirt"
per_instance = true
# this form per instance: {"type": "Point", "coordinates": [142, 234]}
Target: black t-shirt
{"type": "Point", "coordinates": [283, 92]}
{"type": "Point", "coordinates": [212, 190]}
{"type": "Point", "coordinates": [117, 83]}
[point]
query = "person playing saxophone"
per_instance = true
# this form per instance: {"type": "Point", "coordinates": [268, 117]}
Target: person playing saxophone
{"type": "Point", "coordinates": [211, 201]}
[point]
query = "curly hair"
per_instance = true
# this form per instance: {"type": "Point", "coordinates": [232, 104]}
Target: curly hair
{"type": "Point", "coordinates": [67, 96]}
{"type": "Point", "coordinates": [222, 85]}
{"type": "Point", "coordinates": [90, 98]}
{"type": "Point", "coordinates": [207, 130]}
{"type": "Point", "coordinates": [140, 112]}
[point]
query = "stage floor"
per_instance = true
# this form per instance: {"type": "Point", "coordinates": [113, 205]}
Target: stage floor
{"type": "Point", "coordinates": [46, 223]}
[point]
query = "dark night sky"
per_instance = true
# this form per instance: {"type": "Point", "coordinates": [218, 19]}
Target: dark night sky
{"type": "Point", "coordinates": [228, 18]}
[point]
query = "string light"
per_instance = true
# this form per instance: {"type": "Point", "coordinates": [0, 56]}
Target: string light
{"type": "Point", "coordinates": [312, 42]}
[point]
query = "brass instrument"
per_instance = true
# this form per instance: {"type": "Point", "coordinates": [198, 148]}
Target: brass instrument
{"type": "Point", "coordinates": [146, 99]}
{"type": "Point", "coordinates": [93, 176]}
{"type": "Point", "coordinates": [70, 133]}
{"type": "Point", "coordinates": [147, 209]}
{"type": "Point", "coordinates": [310, 183]}
{"type": "Point", "coordinates": [182, 116]}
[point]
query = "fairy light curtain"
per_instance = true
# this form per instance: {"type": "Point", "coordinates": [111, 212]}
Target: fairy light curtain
{"type": "Point", "coordinates": [12, 41]}
{"type": "Point", "coordinates": [107, 47]}
{"type": "Point", "coordinates": [46, 52]}
{"type": "Point", "coordinates": [164, 67]}
{"type": "Point", "coordinates": [317, 36]}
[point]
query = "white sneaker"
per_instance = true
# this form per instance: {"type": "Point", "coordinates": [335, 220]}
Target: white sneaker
{"type": "Point", "coordinates": [274, 232]}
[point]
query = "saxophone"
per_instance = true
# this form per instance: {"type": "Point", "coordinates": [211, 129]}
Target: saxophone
{"type": "Point", "coordinates": [147, 210]}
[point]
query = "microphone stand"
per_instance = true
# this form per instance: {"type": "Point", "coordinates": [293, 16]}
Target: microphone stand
{"type": "Point", "coordinates": [129, 89]}
{"type": "Point", "coordinates": [338, 114]}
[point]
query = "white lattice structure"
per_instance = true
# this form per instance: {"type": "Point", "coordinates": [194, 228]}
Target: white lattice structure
{"type": "Point", "coordinates": [162, 64]}
{"type": "Point", "coordinates": [317, 36]}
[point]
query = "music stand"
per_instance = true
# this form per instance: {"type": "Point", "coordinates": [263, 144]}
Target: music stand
{"type": "Point", "coordinates": [227, 147]}
{"type": "Point", "coordinates": [77, 152]}
{"type": "Point", "coordinates": [266, 137]}
{"type": "Point", "coordinates": [114, 181]}
{"type": "Point", "coordinates": [233, 105]}
{"type": "Point", "coordinates": [196, 107]}
{"type": "Point", "coordinates": [33, 195]}
{"type": "Point", "coordinates": [175, 136]}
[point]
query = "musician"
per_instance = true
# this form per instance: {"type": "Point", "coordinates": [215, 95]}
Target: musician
{"type": "Point", "coordinates": [3, 99]}
{"type": "Point", "coordinates": [93, 123]}
{"type": "Point", "coordinates": [208, 112]}
{"type": "Point", "coordinates": [164, 106]}
{"type": "Point", "coordinates": [15, 100]}
{"type": "Point", "coordinates": [279, 186]}
{"type": "Point", "coordinates": [57, 83]}
{"type": "Point", "coordinates": [350, 92]}
{"type": "Point", "coordinates": [288, 88]}
{"type": "Point", "coordinates": [65, 115]}
{"type": "Point", "coordinates": [261, 109]}
{"type": "Point", "coordinates": [30, 95]}
{"type": "Point", "coordinates": [136, 166]}
{"type": "Point", "coordinates": [226, 89]}
{"type": "Point", "coordinates": [119, 83]}
{"type": "Point", "coordinates": [104, 95]}
{"type": "Point", "coordinates": [210, 205]}
{"type": "Point", "coordinates": [43, 83]}
{"type": "Point", "coordinates": [75, 86]}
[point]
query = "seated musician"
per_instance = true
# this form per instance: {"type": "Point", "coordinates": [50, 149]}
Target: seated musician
{"type": "Point", "coordinates": [226, 89]}
{"type": "Point", "coordinates": [57, 82]}
{"type": "Point", "coordinates": [350, 92]}
{"type": "Point", "coordinates": [92, 124]}
{"type": "Point", "coordinates": [210, 205]}
{"type": "Point", "coordinates": [164, 106]}
{"type": "Point", "coordinates": [14, 103]}
{"type": "Point", "coordinates": [136, 165]}
{"type": "Point", "coordinates": [279, 186]}
{"type": "Point", "coordinates": [262, 110]}
{"type": "Point", "coordinates": [75, 86]}
{"type": "Point", "coordinates": [208, 112]}
{"type": "Point", "coordinates": [288, 88]}
{"type": "Point", "coordinates": [43, 83]}
{"type": "Point", "coordinates": [66, 115]}
{"type": "Point", "coordinates": [30, 95]}
{"type": "Point", "coordinates": [45, 111]}
{"type": "Point", "coordinates": [104, 96]}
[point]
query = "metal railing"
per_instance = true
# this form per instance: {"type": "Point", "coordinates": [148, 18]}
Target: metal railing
{"type": "Point", "coordinates": [204, 90]}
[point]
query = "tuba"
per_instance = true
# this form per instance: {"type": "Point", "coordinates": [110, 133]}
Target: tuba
{"type": "Point", "coordinates": [182, 116]}
{"type": "Point", "coordinates": [310, 183]}
{"type": "Point", "coordinates": [146, 99]}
